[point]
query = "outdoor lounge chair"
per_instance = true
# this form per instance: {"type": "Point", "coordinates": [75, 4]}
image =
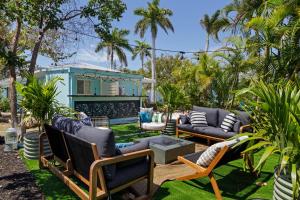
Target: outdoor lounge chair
{"type": "Point", "coordinates": [191, 159]}
{"type": "Point", "coordinates": [85, 163]}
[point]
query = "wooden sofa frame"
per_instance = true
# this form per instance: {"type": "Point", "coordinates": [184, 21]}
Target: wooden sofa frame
{"type": "Point", "coordinates": [208, 137]}
{"type": "Point", "coordinates": [96, 172]}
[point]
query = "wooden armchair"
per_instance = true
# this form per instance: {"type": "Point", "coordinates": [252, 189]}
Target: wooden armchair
{"type": "Point", "coordinates": [85, 163]}
{"type": "Point", "coordinates": [191, 159]}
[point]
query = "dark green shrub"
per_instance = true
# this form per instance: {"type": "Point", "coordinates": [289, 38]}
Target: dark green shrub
{"type": "Point", "coordinates": [4, 104]}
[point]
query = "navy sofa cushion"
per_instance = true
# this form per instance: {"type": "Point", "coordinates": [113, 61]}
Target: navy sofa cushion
{"type": "Point", "coordinates": [215, 132]}
{"type": "Point", "coordinates": [185, 119]}
{"type": "Point", "coordinates": [128, 173]}
{"type": "Point", "coordinates": [105, 141]}
{"type": "Point", "coordinates": [237, 126]}
{"type": "Point", "coordinates": [211, 114]}
{"type": "Point", "coordinates": [244, 117]}
{"type": "Point", "coordinates": [186, 127]}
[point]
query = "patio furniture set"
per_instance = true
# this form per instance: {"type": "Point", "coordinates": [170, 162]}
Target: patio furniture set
{"type": "Point", "coordinates": [91, 155]}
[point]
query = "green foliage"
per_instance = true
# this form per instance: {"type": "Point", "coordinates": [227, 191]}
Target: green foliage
{"type": "Point", "coordinates": [38, 98]}
{"type": "Point", "coordinates": [173, 98]}
{"type": "Point", "coordinates": [141, 49]}
{"type": "Point", "coordinates": [115, 42]}
{"type": "Point", "coordinates": [276, 111]}
{"type": "Point", "coordinates": [152, 17]}
{"type": "Point", "coordinates": [4, 104]}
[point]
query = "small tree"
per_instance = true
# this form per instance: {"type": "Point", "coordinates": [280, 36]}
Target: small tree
{"type": "Point", "coordinates": [173, 98]}
{"type": "Point", "coordinates": [38, 98]}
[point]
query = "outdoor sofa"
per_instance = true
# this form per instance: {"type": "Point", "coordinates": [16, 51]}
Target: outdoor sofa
{"type": "Point", "coordinates": [90, 155]}
{"type": "Point", "coordinates": [213, 131]}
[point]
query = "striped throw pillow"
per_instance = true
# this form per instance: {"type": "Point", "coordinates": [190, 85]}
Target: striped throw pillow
{"type": "Point", "coordinates": [198, 119]}
{"type": "Point", "coordinates": [228, 122]}
{"type": "Point", "coordinates": [208, 155]}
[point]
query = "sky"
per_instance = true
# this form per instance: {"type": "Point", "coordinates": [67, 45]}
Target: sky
{"type": "Point", "coordinates": [188, 34]}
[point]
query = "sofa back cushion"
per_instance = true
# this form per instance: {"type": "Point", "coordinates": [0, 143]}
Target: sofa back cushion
{"type": "Point", "coordinates": [211, 114]}
{"type": "Point", "coordinates": [244, 117]}
{"type": "Point", "coordinates": [105, 141]}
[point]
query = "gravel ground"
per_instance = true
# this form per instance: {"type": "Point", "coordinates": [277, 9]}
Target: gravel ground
{"type": "Point", "coordinates": [15, 181]}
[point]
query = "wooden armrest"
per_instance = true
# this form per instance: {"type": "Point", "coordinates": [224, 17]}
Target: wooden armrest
{"type": "Point", "coordinates": [124, 157]}
{"type": "Point", "coordinates": [177, 121]}
{"type": "Point", "coordinates": [242, 128]}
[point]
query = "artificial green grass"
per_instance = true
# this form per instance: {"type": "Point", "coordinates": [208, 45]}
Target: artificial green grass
{"type": "Point", "coordinates": [130, 132]}
{"type": "Point", "coordinates": [233, 182]}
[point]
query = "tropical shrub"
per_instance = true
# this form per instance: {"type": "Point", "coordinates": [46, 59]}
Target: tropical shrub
{"type": "Point", "coordinates": [38, 98]}
{"type": "Point", "coordinates": [276, 111]}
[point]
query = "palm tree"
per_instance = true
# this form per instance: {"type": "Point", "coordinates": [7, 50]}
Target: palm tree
{"type": "Point", "coordinates": [115, 42]}
{"type": "Point", "coordinates": [141, 49]}
{"type": "Point", "coordinates": [152, 17]}
{"type": "Point", "coordinates": [213, 25]}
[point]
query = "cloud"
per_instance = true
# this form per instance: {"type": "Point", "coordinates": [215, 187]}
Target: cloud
{"type": "Point", "coordinates": [90, 56]}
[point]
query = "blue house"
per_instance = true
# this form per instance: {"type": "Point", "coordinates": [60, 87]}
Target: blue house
{"type": "Point", "coordinates": [95, 90]}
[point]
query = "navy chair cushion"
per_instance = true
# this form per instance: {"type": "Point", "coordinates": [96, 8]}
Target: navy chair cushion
{"type": "Point", "coordinates": [215, 132]}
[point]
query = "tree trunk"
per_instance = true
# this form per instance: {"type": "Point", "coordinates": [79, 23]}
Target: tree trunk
{"type": "Point", "coordinates": [12, 77]}
{"type": "Point", "coordinates": [35, 53]}
{"type": "Point", "coordinates": [111, 57]}
{"type": "Point", "coordinates": [207, 43]}
{"type": "Point", "coordinates": [142, 60]}
{"type": "Point", "coordinates": [153, 70]}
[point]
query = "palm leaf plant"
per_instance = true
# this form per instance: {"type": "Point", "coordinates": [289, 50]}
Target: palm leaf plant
{"type": "Point", "coordinates": [173, 98]}
{"type": "Point", "coordinates": [276, 111]}
{"type": "Point", "coordinates": [115, 43]}
{"type": "Point", "coordinates": [38, 98]}
{"type": "Point", "coordinates": [143, 50]}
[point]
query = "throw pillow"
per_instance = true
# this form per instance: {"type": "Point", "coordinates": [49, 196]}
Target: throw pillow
{"type": "Point", "coordinates": [155, 117]}
{"type": "Point", "coordinates": [145, 117]}
{"type": "Point", "coordinates": [159, 117]}
{"type": "Point", "coordinates": [207, 156]}
{"type": "Point", "coordinates": [198, 119]}
{"type": "Point", "coordinates": [184, 119]}
{"type": "Point", "coordinates": [228, 122]}
{"type": "Point", "coordinates": [149, 110]}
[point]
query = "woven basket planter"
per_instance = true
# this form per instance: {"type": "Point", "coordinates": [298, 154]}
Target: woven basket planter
{"type": "Point", "coordinates": [283, 188]}
{"type": "Point", "coordinates": [170, 127]}
{"type": "Point", "coordinates": [31, 146]}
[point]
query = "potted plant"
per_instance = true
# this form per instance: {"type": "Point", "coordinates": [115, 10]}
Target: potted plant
{"type": "Point", "coordinates": [276, 120]}
{"type": "Point", "coordinates": [173, 99]}
{"type": "Point", "coordinates": [39, 103]}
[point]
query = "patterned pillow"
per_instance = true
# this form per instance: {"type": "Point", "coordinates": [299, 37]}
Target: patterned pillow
{"type": "Point", "coordinates": [207, 156]}
{"type": "Point", "coordinates": [198, 119]}
{"type": "Point", "coordinates": [157, 117]}
{"type": "Point", "coordinates": [228, 122]}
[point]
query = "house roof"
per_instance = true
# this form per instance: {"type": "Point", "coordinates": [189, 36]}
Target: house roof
{"type": "Point", "coordinates": [79, 66]}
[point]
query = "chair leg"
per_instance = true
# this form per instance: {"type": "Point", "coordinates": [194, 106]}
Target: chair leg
{"type": "Point", "coordinates": [215, 186]}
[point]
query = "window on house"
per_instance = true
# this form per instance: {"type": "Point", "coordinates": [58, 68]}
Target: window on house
{"type": "Point", "coordinates": [83, 87]}
{"type": "Point", "coordinates": [110, 88]}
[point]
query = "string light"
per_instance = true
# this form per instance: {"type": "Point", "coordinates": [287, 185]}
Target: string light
{"type": "Point", "coordinates": [159, 49]}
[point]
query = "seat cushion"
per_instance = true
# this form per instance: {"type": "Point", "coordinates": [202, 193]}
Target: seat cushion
{"type": "Point", "coordinates": [211, 114]}
{"type": "Point", "coordinates": [186, 127]}
{"type": "Point", "coordinates": [128, 173]}
{"type": "Point", "coordinates": [214, 132]}
{"type": "Point", "coordinates": [155, 126]}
